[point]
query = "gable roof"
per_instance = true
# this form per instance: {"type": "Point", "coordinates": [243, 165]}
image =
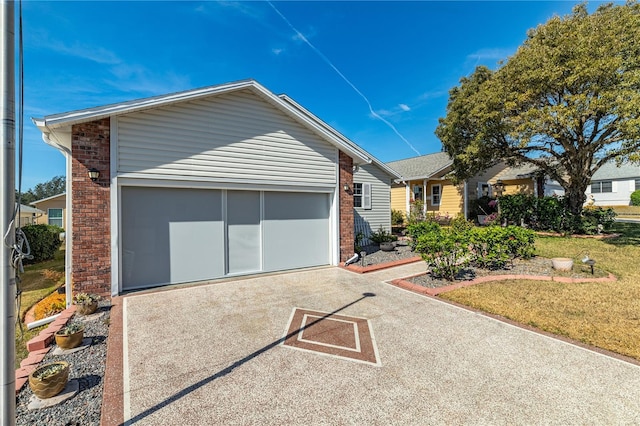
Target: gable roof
{"type": "Point", "coordinates": [422, 167]}
{"type": "Point", "coordinates": [62, 196]}
{"type": "Point", "coordinates": [55, 124]}
{"type": "Point", "coordinates": [611, 171]}
{"type": "Point", "coordinates": [522, 171]}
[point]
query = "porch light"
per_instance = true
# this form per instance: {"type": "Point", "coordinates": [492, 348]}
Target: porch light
{"type": "Point", "coordinates": [94, 174]}
{"type": "Point", "coordinates": [346, 187]}
{"type": "Point", "coordinates": [499, 187]}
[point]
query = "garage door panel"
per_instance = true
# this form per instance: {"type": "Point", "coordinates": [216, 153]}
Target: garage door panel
{"type": "Point", "coordinates": [171, 236]}
{"type": "Point", "coordinates": [296, 230]}
{"type": "Point", "coordinates": [243, 231]}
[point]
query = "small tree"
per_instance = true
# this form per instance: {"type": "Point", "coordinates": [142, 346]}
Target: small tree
{"type": "Point", "coordinates": [567, 102]}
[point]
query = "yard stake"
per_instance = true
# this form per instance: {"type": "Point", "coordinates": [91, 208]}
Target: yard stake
{"type": "Point", "coordinates": [7, 173]}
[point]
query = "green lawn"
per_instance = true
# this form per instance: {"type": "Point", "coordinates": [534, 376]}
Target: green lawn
{"type": "Point", "coordinates": [606, 315]}
{"type": "Point", "coordinates": [37, 282]}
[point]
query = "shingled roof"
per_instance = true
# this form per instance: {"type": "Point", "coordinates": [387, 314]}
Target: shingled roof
{"type": "Point", "coordinates": [611, 171]}
{"type": "Point", "coordinates": [422, 167]}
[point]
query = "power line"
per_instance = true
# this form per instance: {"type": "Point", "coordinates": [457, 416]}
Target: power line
{"type": "Point", "coordinates": [328, 62]}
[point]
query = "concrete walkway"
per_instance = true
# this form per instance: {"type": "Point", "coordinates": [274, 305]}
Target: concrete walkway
{"type": "Point", "coordinates": [212, 354]}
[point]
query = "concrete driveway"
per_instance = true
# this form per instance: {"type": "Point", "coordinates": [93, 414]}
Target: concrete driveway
{"type": "Point", "coordinates": [213, 355]}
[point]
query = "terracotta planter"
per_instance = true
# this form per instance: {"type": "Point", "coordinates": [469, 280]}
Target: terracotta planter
{"type": "Point", "coordinates": [49, 386]}
{"type": "Point", "coordinates": [86, 308]}
{"type": "Point", "coordinates": [562, 263]}
{"type": "Point", "coordinates": [69, 341]}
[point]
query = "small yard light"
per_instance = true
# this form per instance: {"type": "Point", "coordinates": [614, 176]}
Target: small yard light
{"type": "Point", "coordinates": [94, 174]}
{"type": "Point", "coordinates": [499, 187]}
{"type": "Point", "coordinates": [588, 261]}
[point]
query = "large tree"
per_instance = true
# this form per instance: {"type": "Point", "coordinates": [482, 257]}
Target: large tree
{"type": "Point", "coordinates": [567, 101]}
{"type": "Point", "coordinates": [47, 189]}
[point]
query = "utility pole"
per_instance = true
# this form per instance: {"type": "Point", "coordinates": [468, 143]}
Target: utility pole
{"type": "Point", "coordinates": [7, 180]}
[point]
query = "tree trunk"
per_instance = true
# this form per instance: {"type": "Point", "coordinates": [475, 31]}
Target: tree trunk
{"type": "Point", "coordinates": [575, 199]}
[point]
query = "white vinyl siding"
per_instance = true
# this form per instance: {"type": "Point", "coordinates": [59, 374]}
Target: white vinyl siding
{"type": "Point", "coordinates": [376, 208]}
{"type": "Point", "coordinates": [230, 138]}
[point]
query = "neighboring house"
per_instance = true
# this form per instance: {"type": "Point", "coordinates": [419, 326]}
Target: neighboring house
{"type": "Point", "coordinates": [215, 182]}
{"type": "Point", "coordinates": [29, 215]}
{"type": "Point", "coordinates": [54, 208]}
{"type": "Point", "coordinates": [612, 185]}
{"type": "Point", "coordinates": [425, 179]}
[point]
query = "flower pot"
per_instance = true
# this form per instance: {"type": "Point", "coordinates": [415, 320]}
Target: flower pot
{"type": "Point", "coordinates": [86, 308]}
{"type": "Point", "coordinates": [51, 385]}
{"type": "Point", "coordinates": [69, 341]}
{"type": "Point", "coordinates": [387, 246]}
{"type": "Point", "coordinates": [562, 263]}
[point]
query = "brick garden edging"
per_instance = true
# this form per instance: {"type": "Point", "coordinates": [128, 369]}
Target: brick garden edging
{"type": "Point", "coordinates": [407, 285]}
{"type": "Point", "coordinates": [39, 346]}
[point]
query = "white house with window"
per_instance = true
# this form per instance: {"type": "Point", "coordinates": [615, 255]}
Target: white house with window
{"type": "Point", "coordinates": [54, 209]}
{"type": "Point", "coordinates": [612, 185]}
{"type": "Point", "coordinates": [372, 198]}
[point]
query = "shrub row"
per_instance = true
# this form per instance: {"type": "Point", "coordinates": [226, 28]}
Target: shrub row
{"type": "Point", "coordinates": [44, 241]}
{"type": "Point", "coordinates": [448, 251]}
{"type": "Point", "coordinates": [553, 214]}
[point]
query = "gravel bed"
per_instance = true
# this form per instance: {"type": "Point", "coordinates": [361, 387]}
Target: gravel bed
{"type": "Point", "coordinates": [375, 256]}
{"type": "Point", "coordinates": [534, 266]}
{"type": "Point", "coordinates": [87, 366]}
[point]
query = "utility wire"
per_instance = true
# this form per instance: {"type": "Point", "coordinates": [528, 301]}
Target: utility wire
{"type": "Point", "coordinates": [328, 62]}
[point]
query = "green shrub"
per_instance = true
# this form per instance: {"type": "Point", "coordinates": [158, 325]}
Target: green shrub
{"type": "Point", "coordinates": [520, 241]}
{"type": "Point", "coordinates": [382, 236]}
{"type": "Point", "coordinates": [460, 224]}
{"type": "Point", "coordinates": [635, 198]}
{"type": "Point", "coordinates": [416, 229]}
{"type": "Point", "coordinates": [44, 241]}
{"type": "Point", "coordinates": [489, 247]}
{"type": "Point", "coordinates": [445, 251]}
{"type": "Point", "coordinates": [397, 217]}
{"type": "Point", "coordinates": [416, 212]}
{"type": "Point", "coordinates": [596, 219]}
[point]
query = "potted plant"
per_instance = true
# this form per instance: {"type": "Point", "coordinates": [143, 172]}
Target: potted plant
{"type": "Point", "coordinates": [70, 336]}
{"type": "Point", "coordinates": [49, 380]}
{"type": "Point", "coordinates": [385, 239]}
{"type": "Point", "coordinates": [87, 303]}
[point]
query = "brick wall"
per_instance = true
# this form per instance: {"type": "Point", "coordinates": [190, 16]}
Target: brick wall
{"type": "Point", "coordinates": [346, 207]}
{"type": "Point", "coordinates": [91, 212]}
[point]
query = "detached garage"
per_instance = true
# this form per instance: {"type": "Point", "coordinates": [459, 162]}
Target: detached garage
{"type": "Point", "coordinates": [215, 182]}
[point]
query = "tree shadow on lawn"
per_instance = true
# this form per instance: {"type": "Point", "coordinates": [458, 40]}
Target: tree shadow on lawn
{"type": "Point", "coordinates": [629, 234]}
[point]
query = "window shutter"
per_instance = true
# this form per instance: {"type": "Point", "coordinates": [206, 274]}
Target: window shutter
{"type": "Point", "coordinates": [366, 196]}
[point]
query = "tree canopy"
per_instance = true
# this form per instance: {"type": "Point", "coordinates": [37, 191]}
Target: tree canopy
{"type": "Point", "coordinates": [567, 101]}
{"type": "Point", "coordinates": [50, 188]}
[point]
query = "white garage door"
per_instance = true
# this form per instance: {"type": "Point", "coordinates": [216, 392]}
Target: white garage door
{"type": "Point", "coordinates": [172, 236]}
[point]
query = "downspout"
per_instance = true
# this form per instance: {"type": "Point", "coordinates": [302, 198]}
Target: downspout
{"type": "Point", "coordinates": [67, 229]}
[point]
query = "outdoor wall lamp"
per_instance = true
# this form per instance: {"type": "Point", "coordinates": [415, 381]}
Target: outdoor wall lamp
{"type": "Point", "coordinates": [346, 187]}
{"type": "Point", "coordinates": [94, 174]}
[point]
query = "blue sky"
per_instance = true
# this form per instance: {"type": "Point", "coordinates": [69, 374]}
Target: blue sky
{"type": "Point", "coordinates": [403, 57]}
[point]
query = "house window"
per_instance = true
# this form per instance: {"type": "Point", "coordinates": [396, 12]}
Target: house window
{"type": "Point", "coordinates": [436, 192]}
{"type": "Point", "coordinates": [417, 192]}
{"type": "Point", "coordinates": [601, 186]}
{"type": "Point", "coordinates": [484, 189]}
{"type": "Point", "coordinates": [55, 217]}
{"type": "Point", "coordinates": [637, 184]}
{"type": "Point", "coordinates": [362, 195]}
{"type": "Point", "coordinates": [357, 195]}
